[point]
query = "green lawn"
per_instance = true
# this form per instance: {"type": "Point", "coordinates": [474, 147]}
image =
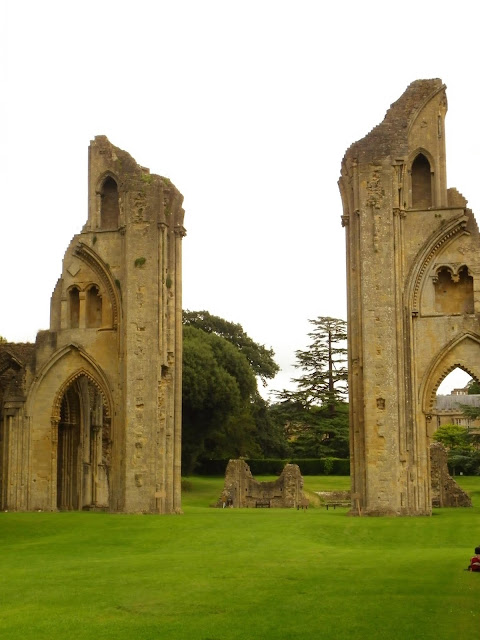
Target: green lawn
{"type": "Point", "coordinates": [223, 574]}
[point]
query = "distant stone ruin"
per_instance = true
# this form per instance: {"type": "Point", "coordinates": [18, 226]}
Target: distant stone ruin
{"type": "Point", "coordinates": [242, 490]}
{"type": "Point", "coordinates": [445, 491]}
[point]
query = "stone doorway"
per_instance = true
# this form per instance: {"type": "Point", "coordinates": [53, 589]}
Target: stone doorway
{"type": "Point", "coordinates": [84, 448]}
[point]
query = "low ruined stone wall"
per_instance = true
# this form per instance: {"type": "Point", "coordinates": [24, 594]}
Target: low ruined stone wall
{"type": "Point", "coordinates": [242, 490]}
{"type": "Point", "coordinates": [445, 491]}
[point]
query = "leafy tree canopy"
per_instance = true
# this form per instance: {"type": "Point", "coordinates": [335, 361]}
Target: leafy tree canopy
{"type": "Point", "coordinates": [218, 384]}
{"type": "Point", "coordinates": [259, 357]}
{"type": "Point", "coordinates": [462, 448]}
{"type": "Point", "coordinates": [473, 387]}
{"type": "Point", "coordinates": [452, 436]}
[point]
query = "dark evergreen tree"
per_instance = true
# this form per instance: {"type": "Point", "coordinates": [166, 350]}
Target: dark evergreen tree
{"type": "Point", "coordinates": [315, 414]}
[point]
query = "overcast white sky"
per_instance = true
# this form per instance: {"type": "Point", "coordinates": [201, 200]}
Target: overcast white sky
{"type": "Point", "coordinates": [248, 107]}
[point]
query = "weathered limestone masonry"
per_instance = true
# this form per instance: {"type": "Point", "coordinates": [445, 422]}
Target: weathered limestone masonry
{"type": "Point", "coordinates": [90, 416]}
{"type": "Point", "coordinates": [242, 490]}
{"type": "Point", "coordinates": [413, 282]}
{"type": "Point", "coordinates": [445, 491]}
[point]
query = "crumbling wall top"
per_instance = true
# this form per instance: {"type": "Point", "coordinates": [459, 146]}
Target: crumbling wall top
{"type": "Point", "coordinates": [390, 137]}
{"type": "Point", "coordinates": [111, 168]}
{"type": "Point", "coordinates": [123, 163]}
{"type": "Point", "coordinates": [21, 353]}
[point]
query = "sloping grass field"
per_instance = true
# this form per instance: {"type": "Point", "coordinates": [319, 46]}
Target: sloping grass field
{"type": "Point", "coordinates": [250, 574]}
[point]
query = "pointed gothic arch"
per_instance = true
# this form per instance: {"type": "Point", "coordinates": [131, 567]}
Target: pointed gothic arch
{"type": "Point", "coordinates": [81, 417]}
{"type": "Point", "coordinates": [422, 264]}
{"type": "Point", "coordinates": [105, 279]}
{"type": "Point", "coordinates": [462, 352]}
{"type": "Point", "coordinates": [109, 203]}
{"type": "Point", "coordinates": [422, 187]}
{"type": "Point", "coordinates": [93, 379]}
{"type": "Point", "coordinates": [420, 179]}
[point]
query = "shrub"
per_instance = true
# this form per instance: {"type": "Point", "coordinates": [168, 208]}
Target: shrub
{"type": "Point", "coordinates": [187, 486]}
{"type": "Point", "coordinates": [274, 466]}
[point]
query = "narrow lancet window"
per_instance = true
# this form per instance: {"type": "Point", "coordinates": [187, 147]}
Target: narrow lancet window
{"type": "Point", "coordinates": [74, 304]}
{"type": "Point", "coordinates": [110, 209]}
{"type": "Point", "coordinates": [94, 308]}
{"type": "Point", "coordinates": [421, 183]}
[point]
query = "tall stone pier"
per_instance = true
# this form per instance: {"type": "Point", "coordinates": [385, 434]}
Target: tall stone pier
{"type": "Point", "coordinates": [413, 287]}
{"type": "Point", "coordinates": [90, 415]}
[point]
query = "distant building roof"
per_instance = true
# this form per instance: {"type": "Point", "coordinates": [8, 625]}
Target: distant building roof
{"type": "Point", "coordinates": [455, 402]}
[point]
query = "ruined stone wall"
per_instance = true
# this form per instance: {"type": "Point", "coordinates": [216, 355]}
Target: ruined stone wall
{"type": "Point", "coordinates": [242, 490]}
{"type": "Point", "coordinates": [104, 381]}
{"type": "Point", "coordinates": [17, 363]}
{"type": "Point", "coordinates": [445, 491]}
{"type": "Point", "coordinates": [406, 236]}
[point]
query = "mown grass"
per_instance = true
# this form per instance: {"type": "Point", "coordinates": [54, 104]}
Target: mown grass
{"type": "Point", "coordinates": [223, 574]}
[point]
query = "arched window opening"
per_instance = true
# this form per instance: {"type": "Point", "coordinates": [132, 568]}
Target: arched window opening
{"type": "Point", "coordinates": [68, 463]}
{"type": "Point", "coordinates": [110, 209]}
{"type": "Point", "coordinates": [421, 183]}
{"type": "Point", "coordinates": [454, 293]}
{"type": "Point", "coordinates": [458, 400]}
{"type": "Point", "coordinates": [94, 308]}
{"type": "Point", "coordinates": [83, 448]}
{"type": "Point", "coordinates": [455, 383]}
{"type": "Point", "coordinates": [74, 305]}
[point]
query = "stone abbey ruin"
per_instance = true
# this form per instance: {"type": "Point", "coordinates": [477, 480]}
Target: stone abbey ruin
{"type": "Point", "coordinates": [413, 289]}
{"type": "Point", "coordinates": [242, 490]}
{"type": "Point", "coordinates": [90, 415]}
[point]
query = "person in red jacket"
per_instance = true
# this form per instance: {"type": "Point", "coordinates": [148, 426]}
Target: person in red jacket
{"type": "Point", "coordinates": [475, 561]}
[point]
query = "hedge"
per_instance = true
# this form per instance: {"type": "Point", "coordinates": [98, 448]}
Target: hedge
{"type": "Point", "coordinates": [274, 466]}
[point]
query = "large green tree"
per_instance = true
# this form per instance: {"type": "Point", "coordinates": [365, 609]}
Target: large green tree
{"type": "Point", "coordinates": [315, 414]}
{"type": "Point", "coordinates": [218, 385]}
{"type": "Point", "coordinates": [452, 436]}
{"type": "Point", "coordinates": [259, 357]}
{"type": "Point", "coordinates": [463, 454]}
{"type": "Point", "coordinates": [223, 413]}
{"type": "Point", "coordinates": [270, 432]}
{"type": "Point", "coordinates": [473, 387]}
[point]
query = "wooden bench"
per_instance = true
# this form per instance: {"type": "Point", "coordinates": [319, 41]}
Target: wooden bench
{"type": "Point", "coordinates": [339, 503]}
{"type": "Point", "coordinates": [262, 504]}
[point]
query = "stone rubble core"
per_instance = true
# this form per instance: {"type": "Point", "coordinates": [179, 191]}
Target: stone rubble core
{"type": "Point", "coordinates": [90, 415]}
{"type": "Point", "coordinates": [445, 491]}
{"type": "Point", "coordinates": [413, 297]}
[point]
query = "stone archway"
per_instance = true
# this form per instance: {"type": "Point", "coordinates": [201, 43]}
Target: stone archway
{"type": "Point", "coordinates": [462, 353]}
{"type": "Point", "coordinates": [83, 446]}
